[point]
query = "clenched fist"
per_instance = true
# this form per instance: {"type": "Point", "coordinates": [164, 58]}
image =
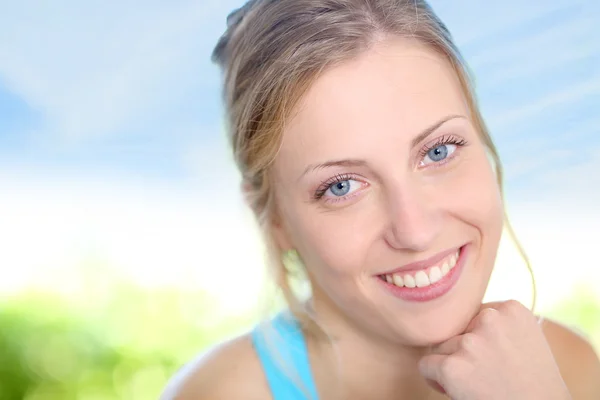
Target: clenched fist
{"type": "Point", "coordinates": [502, 355]}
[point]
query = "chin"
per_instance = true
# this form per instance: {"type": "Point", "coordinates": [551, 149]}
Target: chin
{"type": "Point", "coordinates": [438, 324]}
{"type": "Point", "coordinates": [432, 324]}
{"type": "Point", "coordinates": [434, 332]}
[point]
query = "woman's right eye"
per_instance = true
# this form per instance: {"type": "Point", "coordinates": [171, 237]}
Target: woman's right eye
{"type": "Point", "coordinates": [439, 153]}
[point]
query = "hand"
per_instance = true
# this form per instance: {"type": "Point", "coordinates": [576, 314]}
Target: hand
{"type": "Point", "coordinates": [502, 355]}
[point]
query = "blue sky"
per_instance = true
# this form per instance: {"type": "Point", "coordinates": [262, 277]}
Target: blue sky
{"type": "Point", "coordinates": [119, 100]}
{"type": "Point", "coordinates": [123, 89]}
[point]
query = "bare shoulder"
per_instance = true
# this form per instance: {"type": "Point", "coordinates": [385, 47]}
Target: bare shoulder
{"type": "Point", "coordinates": [229, 371]}
{"type": "Point", "coordinates": [577, 360]}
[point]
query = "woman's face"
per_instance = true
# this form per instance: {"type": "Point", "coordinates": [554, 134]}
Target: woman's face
{"type": "Point", "coordinates": [381, 182]}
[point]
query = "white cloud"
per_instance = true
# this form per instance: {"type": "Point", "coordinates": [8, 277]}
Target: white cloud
{"type": "Point", "coordinates": [581, 129]}
{"type": "Point", "coordinates": [525, 164]}
{"type": "Point", "coordinates": [469, 21]}
{"type": "Point", "coordinates": [575, 185]}
{"type": "Point", "coordinates": [572, 93]}
{"type": "Point", "coordinates": [559, 238]}
{"type": "Point", "coordinates": [206, 240]}
{"type": "Point", "coordinates": [537, 61]}
{"type": "Point", "coordinates": [211, 161]}
{"type": "Point", "coordinates": [557, 217]}
{"type": "Point", "coordinates": [92, 68]}
{"type": "Point", "coordinates": [540, 43]}
{"type": "Point", "coordinates": [157, 235]}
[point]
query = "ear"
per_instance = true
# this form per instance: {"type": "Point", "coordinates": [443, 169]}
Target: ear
{"type": "Point", "coordinates": [279, 232]}
{"type": "Point", "coordinates": [247, 194]}
{"type": "Point", "coordinates": [276, 228]}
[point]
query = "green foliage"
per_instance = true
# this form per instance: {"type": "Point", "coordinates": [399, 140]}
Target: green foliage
{"type": "Point", "coordinates": [126, 347]}
{"type": "Point", "coordinates": [118, 341]}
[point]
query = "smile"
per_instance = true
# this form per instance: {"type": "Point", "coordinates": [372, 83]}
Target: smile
{"type": "Point", "coordinates": [422, 282]}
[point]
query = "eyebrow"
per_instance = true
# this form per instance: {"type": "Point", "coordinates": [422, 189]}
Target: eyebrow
{"type": "Point", "coordinates": [360, 163]}
{"type": "Point", "coordinates": [428, 131]}
{"type": "Point", "coordinates": [337, 163]}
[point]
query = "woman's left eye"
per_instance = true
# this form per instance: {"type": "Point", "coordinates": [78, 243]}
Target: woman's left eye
{"type": "Point", "coordinates": [342, 188]}
{"type": "Point", "coordinates": [438, 153]}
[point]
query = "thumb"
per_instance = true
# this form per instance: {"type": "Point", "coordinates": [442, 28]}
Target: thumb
{"type": "Point", "coordinates": [436, 386]}
{"type": "Point", "coordinates": [492, 304]}
{"type": "Point", "coordinates": [430, 367]}
{"type": "Point", "coordinates": [495, 305]}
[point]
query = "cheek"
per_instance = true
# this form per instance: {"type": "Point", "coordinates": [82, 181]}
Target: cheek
{"type": "Point", "coordinates": [475, 197]}
{"type": "Point", "coordinates": [333, 243]}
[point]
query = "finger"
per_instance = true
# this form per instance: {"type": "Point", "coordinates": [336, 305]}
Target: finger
{"type": "Point", "coordinates": [436, 386]}
{"type": "Point", "coordinates": [448, 347]}
{"type": "Point", "coordinates": [431, 367]}
{"type": "Point", "coordinates": [486, 316]}
{"type": "Point", "coordinates": [492, 304]}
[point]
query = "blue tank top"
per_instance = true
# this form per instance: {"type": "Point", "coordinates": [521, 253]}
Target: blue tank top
{"type": "Point", "coordinates": [282, 351]}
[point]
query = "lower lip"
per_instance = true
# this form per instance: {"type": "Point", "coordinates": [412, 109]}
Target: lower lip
{"type": "Point", "coordinates": [433, 291]}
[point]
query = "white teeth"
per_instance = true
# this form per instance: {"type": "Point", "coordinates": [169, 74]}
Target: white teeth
{"type": "Point", "coordinates": [421, 279]}
{"type": "Point", "coordinates": [445, 268]}
{"type": "Point", "coordinates": [409, 281]}
{"type": "Point", "coordinates": [453, 260]}
{"type": "Point", "coordinates": [398, 281]}
{"type": "Point", "coordinates": [435, 274]}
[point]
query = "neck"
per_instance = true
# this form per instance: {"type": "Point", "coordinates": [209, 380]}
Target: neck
{"type": "Point", "coordinates": [355, 364]}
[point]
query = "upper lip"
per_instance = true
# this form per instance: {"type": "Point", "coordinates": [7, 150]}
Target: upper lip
{"type": "Point", "coordinates": [429, 262]}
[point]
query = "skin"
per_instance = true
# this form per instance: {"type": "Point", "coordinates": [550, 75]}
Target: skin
{"type": "Point", "coordinates": [402, 207]}
{"type": "Point", "coordinates": [232, 371]}
{"type": "Point", "coordinates": [401, 211]}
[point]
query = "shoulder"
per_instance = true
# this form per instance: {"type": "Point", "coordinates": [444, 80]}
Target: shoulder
{"type": "Point", "coordinates": [228, 371]}
{"type": "Point", "coordinates": [576, 358]}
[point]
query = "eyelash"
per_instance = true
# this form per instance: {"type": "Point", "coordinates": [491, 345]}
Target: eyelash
{"type": "Point", "coordinates": [447, 139]}
{"type": "Point", "coordinates": [325, 185]}
{"type": "Point", "coordinates": [443, 140]}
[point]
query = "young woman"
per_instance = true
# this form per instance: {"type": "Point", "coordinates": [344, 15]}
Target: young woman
{"type": "Point", "coordinates": [365, 157]}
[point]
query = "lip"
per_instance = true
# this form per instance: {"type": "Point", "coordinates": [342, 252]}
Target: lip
{"type": "Point", "coordinates": [435, 290]}
{"type": "Point", "coordinates": [423, 264]}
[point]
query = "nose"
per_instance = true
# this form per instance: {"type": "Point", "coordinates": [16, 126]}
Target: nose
{"type": "Point", "coordinates": [414, 218]}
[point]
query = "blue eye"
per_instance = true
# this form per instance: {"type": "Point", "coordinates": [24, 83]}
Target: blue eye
{"type": "Point", "coordinates": [439, 153]}
{"type": "Point", "coordinates": [340, 188]}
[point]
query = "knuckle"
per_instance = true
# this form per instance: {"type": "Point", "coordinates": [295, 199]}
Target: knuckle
{"type": "Point", "coordinates": [455, 368]}
{"type": "Point", "coordinates": [488, 317]}
{"type": "Point", "coordinates": [470, 342]}
{"type": "Point", "coordinates": [448, 367]}
{"type": "Point", "coordinates": [513, 307]}
{"type": "Point", "coordinates": [521, 313]}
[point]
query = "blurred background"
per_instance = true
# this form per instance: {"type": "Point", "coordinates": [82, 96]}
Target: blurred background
{"type": "Point", "coordinates": [125, 249]}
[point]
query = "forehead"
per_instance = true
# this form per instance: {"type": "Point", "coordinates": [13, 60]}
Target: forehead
{"type": "Point", "coordinates": [392, 92]}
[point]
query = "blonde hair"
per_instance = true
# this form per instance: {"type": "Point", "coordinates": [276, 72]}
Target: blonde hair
{"type": "Point", "coordinates": [271, 53]}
